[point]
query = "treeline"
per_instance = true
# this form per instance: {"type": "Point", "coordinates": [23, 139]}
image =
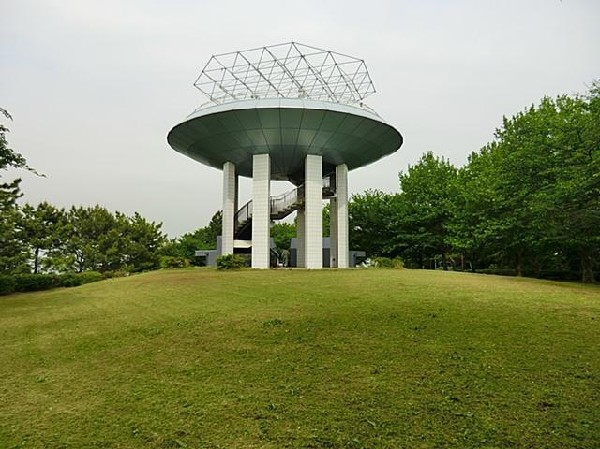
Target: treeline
{"type": "Point", "coordinates": [46, 239]}
{"type": "Point", "coordinates": [527, 203]}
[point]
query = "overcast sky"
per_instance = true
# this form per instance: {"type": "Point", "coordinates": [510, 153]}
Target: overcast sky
{"type": "Point", "coordinates": [95, 86]}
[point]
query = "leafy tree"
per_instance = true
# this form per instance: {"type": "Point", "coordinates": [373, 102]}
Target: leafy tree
{"type": "Point", "coordinates": [282, 234]}
{"type": "Point", "coordinates": [143, 240]}
{"type": "Point", "coordinates": [202, 238]}
{"type": "Point", "coordinates": [41, 230]}
{"type": "Point", "coordinates": [96, 239]}
{"type": "Point", "coordinates": [12, 253]}
{"type": "Point", "coordinates": [572, 200]}
{"type": "Point", "coordinates": [91, 240]}
{"type": "Point", "coordinates": [326, 219]}
{"type": "Point", "coordinates": [428, 194]}
{"type": "Point", "coordinates": [374, 223]}
{"type": "Point", "coordinates": [471, 231]}
{"type": "Point", "coordinates": [531, 197]}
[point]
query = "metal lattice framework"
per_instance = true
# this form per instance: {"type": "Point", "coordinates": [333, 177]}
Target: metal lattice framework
{"type": "Point", "coordinates": [288, 70]}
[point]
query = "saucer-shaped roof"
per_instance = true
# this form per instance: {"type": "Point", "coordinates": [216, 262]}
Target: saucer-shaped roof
{"type": "Point", "coordinates": [287, 129]}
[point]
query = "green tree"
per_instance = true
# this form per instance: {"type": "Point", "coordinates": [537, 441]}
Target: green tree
{"type": "Point", "coordinates": [471, 231]}
{"type": "Point", "coordinates": [374, 223]}
{"type": "Point", "coordinates": [41, 230]}
{"type": "Point", "coordinates": [96, 239]}
{"type": "Point", "coordinates": [531, 197]}
{"type": "Point", "coordinates": [282, 234]}
{"type": "Point", "coordinates": [428, 192]}
{"type": "Point", "coordinates": [92, 240]}
{"type": "Point", "coordinates": [143, 240]}
{"type": "Point", "coordinates": [202, 238]}
{"type": "Point", "coordinates": [571, 198]}
{"type": "Point", "coordinates": [13, 256]}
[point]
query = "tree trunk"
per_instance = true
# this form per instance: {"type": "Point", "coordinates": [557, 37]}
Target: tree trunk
{"type": "Point", "coordinates": [36, 261]}
{"type": "Point", "coordinates": [518, 265]}
{"type": "Point", "coordinates": [444, 260]}
{"type": "Point", "coordinates": [587, 267]}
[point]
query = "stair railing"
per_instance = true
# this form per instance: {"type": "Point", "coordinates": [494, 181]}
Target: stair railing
{"type": "Point", "coordinates": [285, 202]}
{"type": "Point", "coordinates": [242, 216]}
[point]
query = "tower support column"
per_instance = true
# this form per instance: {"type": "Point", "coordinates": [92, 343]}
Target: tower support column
{"type": "Point", "coordinates": [313, 191]}
{"type": "Point", "coordinates": [300, 243]}
{"type": "Point", "coordinates": [229, 205]}
{"type": "Point", "coordinates": [342, 233]}
{"type": "Point", "coordinates": [333, 252]}
{"type": "Point", "coordinates": [261, 210]}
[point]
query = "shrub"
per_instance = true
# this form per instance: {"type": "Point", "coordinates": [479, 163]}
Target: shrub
{"type": "Point", "coordinates": [35, 282]}
{"type": "Point", "coordinates": [386, 262]}
{"type": "Point", "coordinates": [90, 276]}
{"type": "Point", "coordinates": [115, 274]}
{"type": "Point", "coordinates": [76, 279]}
{"type": "Point", "coordinates": [7, 285]}
{"type": "Point", "coordinates": [174, 262]}
{"type": "Point", "coordinates": [230, 262]}
{"type": "Point", "coordinates": [70, 280]}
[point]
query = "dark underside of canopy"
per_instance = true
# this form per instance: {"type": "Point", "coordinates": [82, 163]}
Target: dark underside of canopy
{"type": "Point", "coordinates": [288, 135]}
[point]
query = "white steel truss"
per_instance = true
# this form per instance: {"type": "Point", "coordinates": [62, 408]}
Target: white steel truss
{"type": "Point", "coordinates": [289, 70]}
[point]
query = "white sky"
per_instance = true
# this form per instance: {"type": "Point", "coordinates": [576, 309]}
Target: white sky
{"type": "Point", "coordinates": [95, 86]}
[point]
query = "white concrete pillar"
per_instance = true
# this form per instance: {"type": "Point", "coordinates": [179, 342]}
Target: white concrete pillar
{"type": "Point", "coordinates": [236, 203]}
{"type": "Point", "coordinates": [343, 246]}
{"type": "Point", "coordinates": [261, 210]}
{"type": "Point", "coordinates": [333, 233]}
{"type": "Point", "coordinates": [229, 196]}
{"type": "Point", "coordinates": [313, 232]}
{"type": "Point", "coordinates": [300, 246]}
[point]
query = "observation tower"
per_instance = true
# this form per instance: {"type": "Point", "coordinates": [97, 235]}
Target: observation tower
{"type": "Point", "coordinates": [285, 112]}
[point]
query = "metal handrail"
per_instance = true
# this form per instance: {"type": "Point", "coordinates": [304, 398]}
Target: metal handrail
{"type": "Point", "coordinates": [243, 215]}
{"type": "Point", "coordinates": [286, 202]}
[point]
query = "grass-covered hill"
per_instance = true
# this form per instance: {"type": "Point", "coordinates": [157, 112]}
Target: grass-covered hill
{"type": "Point", "coordinates": [291, 358]}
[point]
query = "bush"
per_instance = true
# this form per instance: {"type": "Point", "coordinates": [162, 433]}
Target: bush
{"type": "Point", "coordinates": [115, 274]}
{"type": "Point", "coordinates": [230, 262]}
{"type": "Point", "coordinates": [76, 279]}
{"type": "Point", "coordinates": [35, 282]}
{"type": "Point", "coordinates": [7, 285]}
{"type": "Point", "coordinates": [174, 262]}
{"type": "Point", "coordinates": [70, 280]}
{"type": "Point", "coordinates": [386, 262]}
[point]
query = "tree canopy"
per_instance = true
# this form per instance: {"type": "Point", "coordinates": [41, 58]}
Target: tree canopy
{"type": "Point", "coordinates": [528, 200]}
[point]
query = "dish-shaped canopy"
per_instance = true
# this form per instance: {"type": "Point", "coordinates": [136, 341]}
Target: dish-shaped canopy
{"type": "Point", "coordinates": [287, 129]}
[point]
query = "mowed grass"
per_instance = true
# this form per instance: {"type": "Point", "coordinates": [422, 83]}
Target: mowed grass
{"type": "Point", "coordinates": [290, 358]}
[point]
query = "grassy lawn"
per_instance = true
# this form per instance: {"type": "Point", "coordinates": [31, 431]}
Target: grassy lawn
{"type": "Point", "coordinates": [316, 359]}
